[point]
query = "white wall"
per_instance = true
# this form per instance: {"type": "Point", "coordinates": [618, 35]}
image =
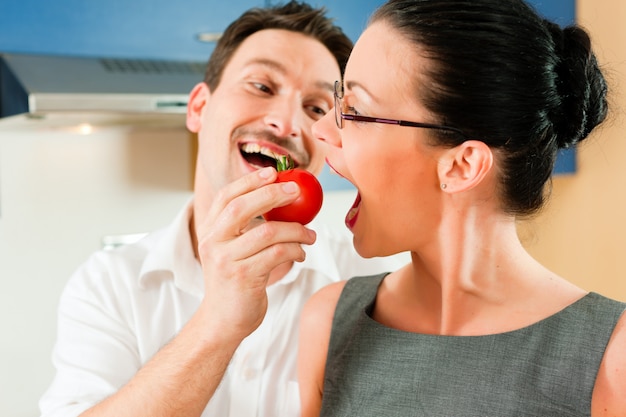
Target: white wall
{"type": "Point", "coordinates": [61, 191]}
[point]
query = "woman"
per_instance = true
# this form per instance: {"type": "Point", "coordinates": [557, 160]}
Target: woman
{"type": "Point", "coordinates": [448, 122]}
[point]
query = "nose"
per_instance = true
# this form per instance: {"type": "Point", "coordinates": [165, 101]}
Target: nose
{"type": "Point", "coordinates": [326, 130]}
{"type": "Point", "coordinates": [284, 118]}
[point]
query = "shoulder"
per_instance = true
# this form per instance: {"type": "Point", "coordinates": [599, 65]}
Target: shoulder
{"type": "Point", "coordinates": [108, 277]}
{"type": "Point", "coordinates": [315, 329]}
{"type": "Point", "coordinates": [608, 396]}
{"type": "Point", "coordinates": [318, 313]}
{"type": "Point", "coordinates": [353, 293]}
{"type": "Point", "coordinates": [322, 304]}
{"type": "Point", "coordinates": [106, 266]}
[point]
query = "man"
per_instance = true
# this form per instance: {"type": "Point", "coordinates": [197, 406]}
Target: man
{"type": "Point", "coordinates": [201, 318]}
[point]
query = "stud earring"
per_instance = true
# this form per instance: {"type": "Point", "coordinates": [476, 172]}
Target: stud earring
{"type": "Point", "coordinates": [443, 186]}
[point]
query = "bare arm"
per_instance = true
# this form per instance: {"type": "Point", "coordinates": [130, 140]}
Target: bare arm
{"type": "Point", "coordinates": [237, 254]}
{"type": "Point", "coordinates": [315, 328]}
{"type": "Point", "coordinates": [609, 395]}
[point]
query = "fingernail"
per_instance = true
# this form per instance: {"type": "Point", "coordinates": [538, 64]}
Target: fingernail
{"type": "Point", "coordinates": [265, 173]}
{"type": "Point", "coordinates": [290, 187]}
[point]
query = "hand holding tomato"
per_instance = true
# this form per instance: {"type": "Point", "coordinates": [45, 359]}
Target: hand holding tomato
{"type": "Point", "coordinates": [236, 262]}
{"type": "Point", "coordinates": [307, 205]}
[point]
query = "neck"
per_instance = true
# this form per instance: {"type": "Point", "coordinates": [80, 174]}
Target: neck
{"type": "Point", "coordinates": [472, 255]}
{"type": "Point", "coordinates": [475, 279]}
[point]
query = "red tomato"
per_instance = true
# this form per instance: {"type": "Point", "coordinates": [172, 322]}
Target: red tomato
{"type": "Point", "coordinates": [306, 206]}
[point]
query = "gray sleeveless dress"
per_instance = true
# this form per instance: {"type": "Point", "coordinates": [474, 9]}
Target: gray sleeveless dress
{"type": "Point", "coordinates": [547, 369]}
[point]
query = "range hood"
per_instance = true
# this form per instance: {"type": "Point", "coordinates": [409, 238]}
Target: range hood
{"type": "Point", "coordinates": [40, 84]}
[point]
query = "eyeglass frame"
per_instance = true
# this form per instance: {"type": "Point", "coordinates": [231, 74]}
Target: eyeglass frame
{"type": "Point", "coordinates": [340, 116]}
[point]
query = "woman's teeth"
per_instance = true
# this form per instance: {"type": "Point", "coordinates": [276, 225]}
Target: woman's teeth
{"type": "Point", "coordinates": [353, 213]}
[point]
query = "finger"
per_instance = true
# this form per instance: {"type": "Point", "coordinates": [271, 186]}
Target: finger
{"type": "Point", "coordinates": [263, 247]}
{"type": "Point", "coordinates": [241, 186]}
{"type": "Point", "coordinates": [237, 214]}
{"type": "Point", "coordinates": [254, 270]}
{"type": "Point", "coordinates": [252, 273]}
{"type": "Point", "coordinates": [256, 240]}
{"type": "Point", "coordinates": [267, 234]}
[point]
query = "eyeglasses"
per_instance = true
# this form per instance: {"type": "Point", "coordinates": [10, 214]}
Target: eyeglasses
{"type": "Point", "coordinates": [340, 116]}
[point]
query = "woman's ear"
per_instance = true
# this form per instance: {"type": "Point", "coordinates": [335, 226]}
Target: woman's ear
{"type": "Point", "coordinates": [464, 166]}
{"type": "Point", "coordinates": [197, 100]}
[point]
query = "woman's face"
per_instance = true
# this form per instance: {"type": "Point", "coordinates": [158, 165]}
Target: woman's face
{"type": "Point", "coordinates": [394, 168]}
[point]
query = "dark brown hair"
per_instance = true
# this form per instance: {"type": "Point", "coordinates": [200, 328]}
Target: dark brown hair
{"type": "Point", "coordinates": [294, 16]}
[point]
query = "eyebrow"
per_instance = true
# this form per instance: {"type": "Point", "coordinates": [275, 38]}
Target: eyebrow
{"type": "Point", "coordinates": [323, 85]}
{"type": "Point", "coordinates": [270, 63]}
{"type": "Point", "coordinates": [350, 85]}
{"type": "Point", "coordinates": [282, 69]}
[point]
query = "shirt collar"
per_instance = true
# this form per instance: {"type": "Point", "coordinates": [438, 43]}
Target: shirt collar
{"type": "Point", "coordinates": [173, 254]}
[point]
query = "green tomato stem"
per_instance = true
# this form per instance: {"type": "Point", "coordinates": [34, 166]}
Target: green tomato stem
{"type": "Point", "coordinates": [284, 163]}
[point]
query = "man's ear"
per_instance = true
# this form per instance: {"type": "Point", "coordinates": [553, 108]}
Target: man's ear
{"type": "Point", "coordinates": [197, 100]}
{"type": "Point", "coordinates": [464, 166]}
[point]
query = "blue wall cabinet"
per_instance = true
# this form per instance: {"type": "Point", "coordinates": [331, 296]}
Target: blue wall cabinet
{"type": "Point", "coordinates": [160, 29]}
{"type": "Point", "coordinates": [150, 29]}
{"type": "Point", "coordinates": [147, 29]}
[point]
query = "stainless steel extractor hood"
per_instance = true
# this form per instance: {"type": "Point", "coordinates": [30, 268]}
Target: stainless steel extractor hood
{"type": "Point", "coordinates": [40, 84]}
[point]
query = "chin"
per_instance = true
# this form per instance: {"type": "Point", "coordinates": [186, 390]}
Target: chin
{"type": "Point", "coordinates": [363, 249]}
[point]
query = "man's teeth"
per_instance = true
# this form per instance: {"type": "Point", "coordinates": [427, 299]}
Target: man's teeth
{"type": "Point", "coordinates": [256, 148]}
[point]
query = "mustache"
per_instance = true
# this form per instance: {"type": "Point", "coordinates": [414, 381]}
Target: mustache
{"type": "Point", "coordinates": [296, 150]}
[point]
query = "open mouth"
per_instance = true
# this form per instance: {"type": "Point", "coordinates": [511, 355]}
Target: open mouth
{"type": "Point", "coordinates": [353, 213]}
{"type": "Point", "coordinates": [260, 156]}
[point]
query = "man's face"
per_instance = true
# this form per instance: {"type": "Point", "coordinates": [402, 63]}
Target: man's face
{"type": "Point", "coordinates": [276, 84]}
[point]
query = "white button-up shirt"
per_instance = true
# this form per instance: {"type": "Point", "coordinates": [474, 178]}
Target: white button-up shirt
{"type": "Point", "coordinates": [123, 305]}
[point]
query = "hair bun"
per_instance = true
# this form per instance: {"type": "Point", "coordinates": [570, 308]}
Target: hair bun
{"type": "Point", "coordinates": [580, 84]}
